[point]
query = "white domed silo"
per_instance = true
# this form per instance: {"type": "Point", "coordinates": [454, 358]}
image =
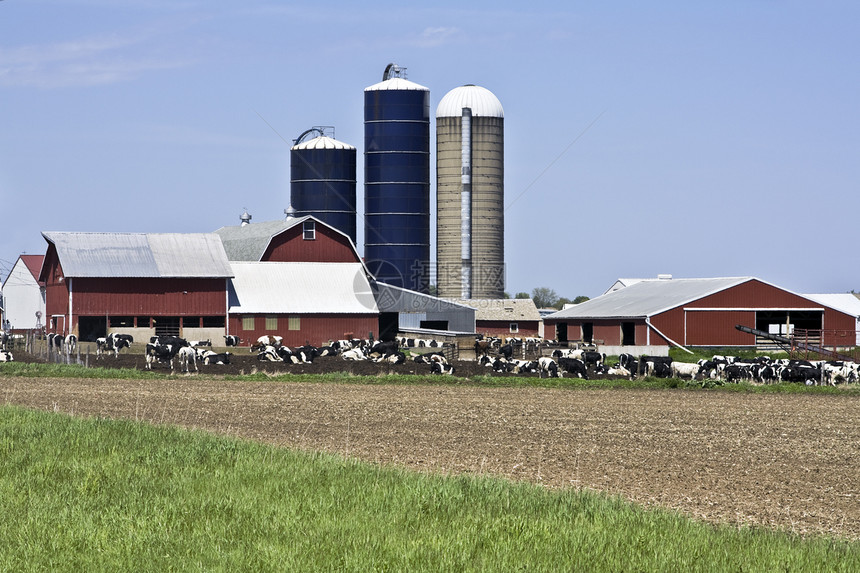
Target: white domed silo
{"type": "Point", "coordinates": [470, 224]}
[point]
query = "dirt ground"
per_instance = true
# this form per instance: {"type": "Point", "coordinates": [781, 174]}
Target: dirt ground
{"type": "Point", "coordinates": [784, 461]}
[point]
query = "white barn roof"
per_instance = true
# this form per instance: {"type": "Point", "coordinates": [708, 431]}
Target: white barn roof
{"type": "Point", "coordinates": [646, 298]}
{"type": "Point", "coordinates": [300, 288]}
{"type": "Point", "coordinates": [140, 255]}
{"type": "Point", "coordinates": [846, 303]}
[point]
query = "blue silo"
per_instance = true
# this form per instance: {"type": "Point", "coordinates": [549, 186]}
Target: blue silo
{"type": "Point", "coordinates": [397, 181]}
{"type": "Point", "coordinates": [322, 180]}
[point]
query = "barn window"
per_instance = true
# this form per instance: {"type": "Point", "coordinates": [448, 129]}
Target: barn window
{"type": "Point", "coordinates": [213, 322]}
{"type": "Point", "coordinates": [248, 323]}
{"type": "Point", "coordinates": [295, 323]}
{"type": "Point", "coordinates": [121, 321]}
{"type": "Point", "coordinates": [271, 323]}
{"type": "Point", "coordinates": [309, 230]}
{"type": "Point", "coordinates": [190, 322]}
{"type": "Point", "coordinates": [515, 327]}
{"type": "Point", "coordinates": [142, 321]}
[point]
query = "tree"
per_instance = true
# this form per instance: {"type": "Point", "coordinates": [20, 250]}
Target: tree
{"type": "Point", "coordinates": [580, 298]}
{"type": "Point", "coordinates": [521, 295]}
{"type": "Point", "coordinates": [544, 297]}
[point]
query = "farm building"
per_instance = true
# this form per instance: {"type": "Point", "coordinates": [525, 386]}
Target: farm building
{"type": "Point", "coordinates": [696, 312]}
{"type": "Point", "coordinates": [411, 312]}
{"type": "Point", "coordinates": [135, 283]}
{"type": "Point", "coordinates": [305, 302]}
{"type": "Point", "coordinates": [23, 295]}
{"type": "Point", "coordinates": [505, 317]}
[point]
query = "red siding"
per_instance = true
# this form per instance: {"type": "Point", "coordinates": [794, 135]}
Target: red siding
{"type": "Point", "coordinates": [503, 327]}
{"type": "Point", "coordinates": [316, 329]}
{"type": "Point", "coordinates": [329, 246]}
{"type": "Point", "coordinates": [718, 328]}
{"type": "Point", "coordinates": [165, 297]}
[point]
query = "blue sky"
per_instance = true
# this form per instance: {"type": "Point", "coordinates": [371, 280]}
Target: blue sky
{"type": "Point", "coordinates": [698, 139]}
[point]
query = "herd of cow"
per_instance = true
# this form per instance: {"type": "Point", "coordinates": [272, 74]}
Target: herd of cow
{"type": "Point", "coordinates": [494, 353]}
{"type": "Point", "coordinates": [577, 363]}
{"type": "Point", "coordinates": [271, 349]}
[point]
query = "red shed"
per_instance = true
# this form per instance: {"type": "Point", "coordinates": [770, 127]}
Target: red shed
{"type": "Point", "coordinates": [695, 312]}
{"type": "Point", "coordinates": [135, 283]}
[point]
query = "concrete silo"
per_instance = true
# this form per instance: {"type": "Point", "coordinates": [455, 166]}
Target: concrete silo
{"type": "Point", "coordinates": [322, 180]}
{"type": "Point", "coordinates": [397, 181]}
{"type": "Point", "coordinates": [470, 223]}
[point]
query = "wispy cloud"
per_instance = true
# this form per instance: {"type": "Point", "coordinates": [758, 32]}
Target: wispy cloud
{"type": "Point", "coordinates": [83, 62]}
{"type": "Point", "coordinates": [437, 36]}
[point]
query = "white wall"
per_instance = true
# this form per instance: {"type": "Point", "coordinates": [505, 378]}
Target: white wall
{"type": "Point", "coordinates": [22, 298]}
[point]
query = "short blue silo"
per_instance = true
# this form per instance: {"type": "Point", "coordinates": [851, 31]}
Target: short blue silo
{"type": "Point", "coordinates": [397, 181]}
{"type": "Point", "coordinates": [322, 181]}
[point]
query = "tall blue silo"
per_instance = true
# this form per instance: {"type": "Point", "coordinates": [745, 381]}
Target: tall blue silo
{"type": "Point", "coordinates": [397, 181]}
{"type": "Point", "coordinates": [322, 180]}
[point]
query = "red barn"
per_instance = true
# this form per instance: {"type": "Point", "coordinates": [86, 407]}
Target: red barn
{"type": "Point", "coordinates": [696, 312]}
{"type": "Point", "coordinates": [137, 283]}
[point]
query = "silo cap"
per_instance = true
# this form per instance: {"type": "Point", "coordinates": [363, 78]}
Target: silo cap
{"type": "Point", "coordinates": [480, 100]}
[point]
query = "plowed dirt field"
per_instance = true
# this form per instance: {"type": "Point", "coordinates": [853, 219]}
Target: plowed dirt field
{"type": "Point", "coordinates": [785, 461]}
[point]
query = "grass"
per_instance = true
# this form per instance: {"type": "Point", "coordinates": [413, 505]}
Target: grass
{"type": "Point", "coordinates": [35, 370]}
{"type": "Point", "coordinates": [102, 495]}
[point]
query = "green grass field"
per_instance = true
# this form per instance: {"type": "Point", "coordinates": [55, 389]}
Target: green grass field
{"type": "Point", "coordinates": [103, 495]}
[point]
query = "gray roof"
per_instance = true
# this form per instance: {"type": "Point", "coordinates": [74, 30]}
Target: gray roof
{"type": "Point", "coordinates": [503, 309]}
{"type": "Point", "coordinates": [249, 242]}
{"type": "Point", "coordinates": [398, 299]}
{"type": "Point", "coordinates": [647, 298]}
{"type": "Point", "coordinates": [301, 288]}
{"type": "Point", "coordinates": [140, 255]}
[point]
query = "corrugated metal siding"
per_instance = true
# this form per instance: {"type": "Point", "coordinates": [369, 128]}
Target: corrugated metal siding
{"type": "Point", "coordinates": [328, 247]}
{"type": "Point", "coordinates": [164, 297]}
{"type": "Point", "coordinates": [718, 328]}
{"type": "Point", "coordinates": [317, 329]}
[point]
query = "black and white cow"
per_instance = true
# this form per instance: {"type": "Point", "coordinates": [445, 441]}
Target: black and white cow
{"type": "Point", "coordinates": [113, 342]}
{"type": "Point", "coordinates": [230, 340]}
{"type": "Point", "coordinates": [187, 357]}
{"type": "Point", "coordinates": [548, 367]}
{"type": "Point", "coordinates": [6, 356]}
{"type": "Point", "coordinates": [216, 358]}
{"type": "Point", "coordinates": [574, 367]}
{"type": "Point", "coordinates": [439, 368]}
{"type": "Point", "coordinates": [162, 353]}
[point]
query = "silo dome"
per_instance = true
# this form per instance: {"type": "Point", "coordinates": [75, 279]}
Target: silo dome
{"type": "Point", "coordinates": [480, 100]}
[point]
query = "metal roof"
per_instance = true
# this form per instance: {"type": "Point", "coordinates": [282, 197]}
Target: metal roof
{"type": "Point", "coordinates": [300, 288]}
{"type": "Point", "coordinates": [503, 309]}
{"type": "Point", "coordinates": [249, 242]}
{"type": "Point", "coordinates": [846, 303]}
{"type": "Point", "coordinates": [140, 255]}
{"type": "Point", "coordinates": [322, 142]}
{"type": "Point", "coordinates": [480, 100]}
{"type": "Point", "coordinates": [396, 84]}
{"type": "Point", "coordinates": [647, 298]}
